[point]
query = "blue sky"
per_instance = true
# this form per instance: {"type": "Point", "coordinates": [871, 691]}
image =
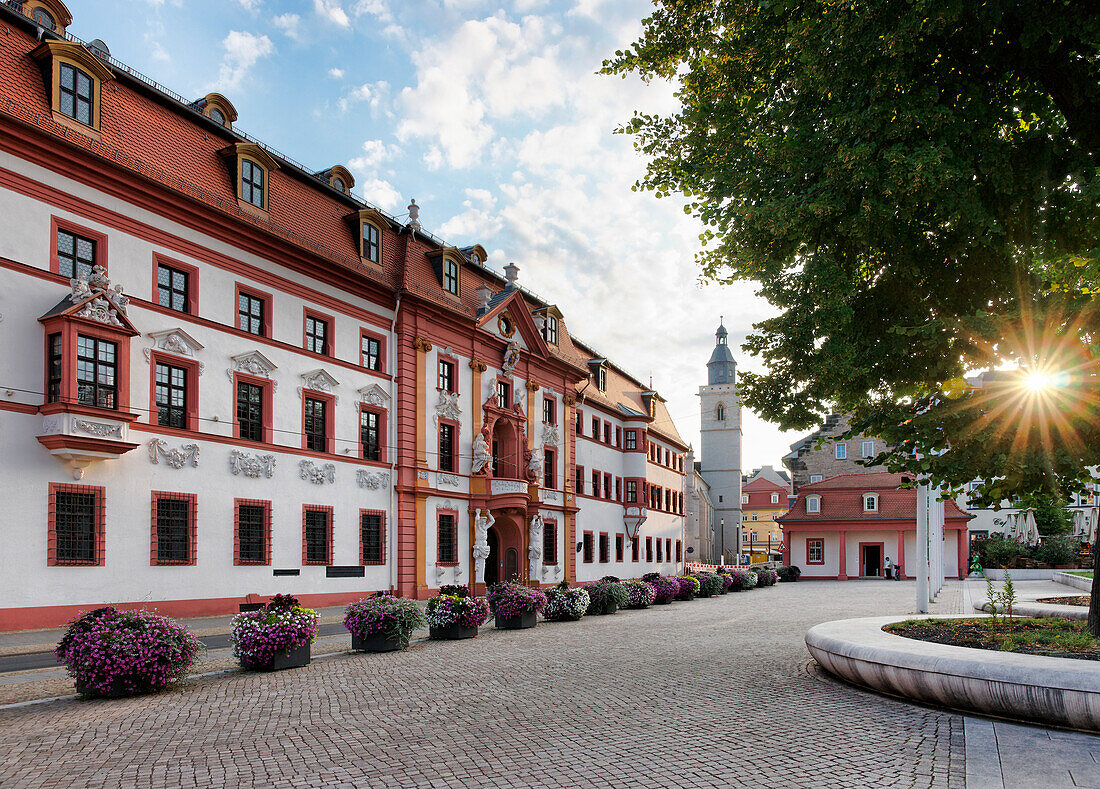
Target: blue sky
{"type": "Point", "coordinates": [493, 118]}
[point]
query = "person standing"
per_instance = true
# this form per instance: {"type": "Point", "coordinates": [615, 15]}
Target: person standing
{"type": "Point", "coordinates": [888, 568]}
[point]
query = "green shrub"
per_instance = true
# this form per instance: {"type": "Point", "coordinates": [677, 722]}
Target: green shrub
{"type": "Point", "coordinates": [1057, 550]}
{"type": "Point", "coordinates": [997, 551]}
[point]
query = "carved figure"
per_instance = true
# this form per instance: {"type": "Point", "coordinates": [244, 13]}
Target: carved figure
{"type": "Point", "coordinates": [534, 545]}
{"type": "Point", "coordinates": [482, 524]}
{"type": "Point", "coordinates": [482, 455]}
{"type": "Point", "coordinates": [511, 357]}
{"type": "Point", "coordinates": [534, 467]}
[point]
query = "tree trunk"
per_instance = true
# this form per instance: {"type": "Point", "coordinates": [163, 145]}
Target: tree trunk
{"type": "Point", "coordinates": [1094, 603]}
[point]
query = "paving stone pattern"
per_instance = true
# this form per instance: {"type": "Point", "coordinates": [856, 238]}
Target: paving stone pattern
{"type": "Point", "coordinates": [712, 693]}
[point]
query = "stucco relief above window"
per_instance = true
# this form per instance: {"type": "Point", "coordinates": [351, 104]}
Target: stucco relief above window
{"type": "Point", "coordinates": [371, 480]}
{"type": "Point", "coordinates": [374, 395]}
{"type": "Point", "coordinates": [319, 381]}
{"type": "Point", "coordinates": [176, 457]}
{"type": "Point", "coordinates": [317, 473]}
{"type": "Point", "coordinates": [174, 341]}
{"type": "Point", "coordinates": [253, 466]}
{"type": "Point", "coordinates": [253, 363]}
{"type": "Point", "coordinates": [447, 406]}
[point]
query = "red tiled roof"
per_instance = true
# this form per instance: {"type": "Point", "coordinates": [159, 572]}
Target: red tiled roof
{"type": "Point", "coordinates": [763, 484]}
{"type": "Point", "coordinates": [842, 500]}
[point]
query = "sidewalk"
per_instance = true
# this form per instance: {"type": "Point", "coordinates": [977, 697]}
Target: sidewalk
{"type": "Point", "coordinates": [1002, 755]}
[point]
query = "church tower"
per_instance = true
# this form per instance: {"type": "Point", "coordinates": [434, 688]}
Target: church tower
{"type": "Point", "coordinates": [720, 437]}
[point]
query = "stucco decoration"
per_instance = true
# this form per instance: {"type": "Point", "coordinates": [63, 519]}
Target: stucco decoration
{"type": "Point", "coordinates": [100, 429]}
{"type": "Point", "coordinates": [551, 436]}
{"type": "Point", "coordinates": [534, 545]}
{"type": "Point", "coordinates": [421, 474]}
{"type": "Point", "coordinates": [104, 308]}
{"type": "Point", "coordinates": [371, 480]}
{"type": "Point", "coordinates": [511, 357]}
{"type": "Point", "coordinates": [447, 406]}
{"type": "Point", "coordinates": [315, 473]}
{"type": "Point", "coordinates": [251, 465]}
{"type": "Point", "coordinates": [440, 572]}
{"type": "Point", "coordinates": [443, 478]}
{"type": "Point", "coordinates": [175, 341]}
{"type": "Point", "coordinates": [503, 486]}
{"type": "Point", "coordinates": [534, 467]}
{"type": "Point", "coordinates": [253, 363]}
{"type": "Point", "coordinates": [51, 425]}
{"type": "Point", "coordinates": [482, 524]}
{"type": "Point", "coordinates": [551, 496]}
{"type": "Point", "coordinates": [482, 456]}
{"type": "Point", "coordinates": [374, 395]}
{"type": "Point", "coordinates": [319, 381]}
{"type": "Point", "coordinates": [177, 457]}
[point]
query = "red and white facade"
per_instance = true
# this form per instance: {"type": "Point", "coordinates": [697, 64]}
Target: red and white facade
{"type": "Point", "coordinates": [845, 527]}
{"type": "Point", "coordinates": [225, 375]}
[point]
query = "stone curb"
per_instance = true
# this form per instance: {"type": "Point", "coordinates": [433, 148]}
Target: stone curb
{"type": "Point", "coordinates": [1076, 581]}
{"type": "Point", "coordinates": [1042, 609]}
{"type": "Point", "coordinates": [1032, 688]}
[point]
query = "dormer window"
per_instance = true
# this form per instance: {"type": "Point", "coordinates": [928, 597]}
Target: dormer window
{"type": "Point", "coordinates": [552, 329]}
{"type": "Point", "coordinates": [217, 116]}
{"type": "Point", "coordinates": [252, 174]}
{"type": "Point", "coordinates": [601, 378]}
{"type": "Point", "coordinates": [870, 502]}
{"type": "Point", "coordinates": [338, 178]}
{"type": "Point", "coordinates": [450, 276]}
{"type": "Point", "coordinates": [217, 108]}
{"type": "Point", "coordinates": [813, 504]}
{"type": "Point", "coordinates": [372, 243]}
{"type": "Point", "coordinates": [74, 76]}
{"type": "Point", "coordinates": [367, 225]}
{"type": "Point", "coordinates": [42, 17]}
{"type": "Point", "coordinates": [49, 14]}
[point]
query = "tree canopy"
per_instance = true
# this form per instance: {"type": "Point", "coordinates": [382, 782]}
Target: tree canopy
{"type": "Point", "coordinates": [914, 185]}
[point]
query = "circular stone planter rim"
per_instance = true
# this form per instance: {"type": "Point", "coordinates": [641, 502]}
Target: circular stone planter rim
{"type": "Point", "coordinates": [863, 639]}
{"type": "Point", "coordinates": [1035, 609]}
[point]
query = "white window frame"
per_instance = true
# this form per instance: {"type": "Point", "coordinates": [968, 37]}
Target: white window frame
{"type": "Point", "coordinates": [870, 499]}
{"type": "Point", "coordinates": [867, 449]}
{"type": "Point", "coordinates": [840, 451]}
{"type": "Point", "coordinates": [775, 498]}
{"type": "Point", "coordinates": [813, 504]}
{"type": "Point", "coordinates": [815, 478]}
{"type": "Point", "coordinates": [744, 498]}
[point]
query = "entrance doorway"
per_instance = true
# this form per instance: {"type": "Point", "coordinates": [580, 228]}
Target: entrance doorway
{"type": "Point", "coordinates": [492, 564]}
{"type": "Point", "coordinates": [870, 560]}
{"type": "Point", "coordinates": [505, 540]}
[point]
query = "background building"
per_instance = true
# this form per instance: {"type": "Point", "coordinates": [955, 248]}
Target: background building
{"type": "Point", "coordinates": [720, 446]}
{"type": "Point", "coordinates": [764, 497]}
{"type": "Point", "coordinates": [821, 455]}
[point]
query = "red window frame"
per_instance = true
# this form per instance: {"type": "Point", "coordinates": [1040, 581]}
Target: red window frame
{"type": "Point", "coordinates": [100, 239]}
{"type": "Point", "coordinates": [815, 542]}
{"type": "Point", "coordinates": [381, 414]}
{"type": "Point", "coordinates": [679, 551]}
{"type": "Point", "coordinates": [453, 539]}
{"type": "Point", "coordinates": [660, 551]}
{"type": "Point", "coordinates": [330, 331]}
{"type": "Point", "coordinates": [635, 549]}
{"type": "Point", "coordinates": [550, 542]}
{"type": "Point", "coordinates": [381, 538]}
{"type": "Point", "coordinates": [549, 409]}
{"type": "Point", "coordinates": [191, 402]}
{"type": "Point", "coordinates": [668, 548]}
{"type": "Point", "coordinates": [649, 550]}
{"type": "Point", "coordinates": [587, 548]}
{"type": "Point", "coordinates": [330, 412]}
{"type": "Point", "coordinates": [579, 474]}
{"type": "Point", "coordinates": [620, 552]}
{"type": "Point", "coordinates": [455, 438]}
{"type": "Point", "coordinates": [266, 507]}
{"type": "Point", "coordinates": [267, 387]}
{"type": "Point", "coordinates": [100, 505]}
{"type": "Point", "coordinates": [607, 486]}
{"type": "Point", "coordinates": [365, 333]}
{"type": "Point", "coordinates": [191, 307]}
{"type": "Point", "coordinates": [605, 547]}
{"type": "Point", "coordinates": [442, 358]}
{"type": "Point", "coordinates": [256, 293]}
{"type": "Point", "coordinates": [549, 468]}
{"type": "Point", "coordinates": [331, 528]}
{"type": "Point", "coordinates": [155, 559]}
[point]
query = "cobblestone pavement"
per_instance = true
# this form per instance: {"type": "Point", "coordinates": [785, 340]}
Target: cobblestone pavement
{"type": "Point", "coordinates": [712, 693]}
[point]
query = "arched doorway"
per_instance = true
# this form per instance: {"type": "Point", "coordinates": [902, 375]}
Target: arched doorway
{"type": "Point", "coordinates": [507, 458]}
{"type": "Point", "coordinates": [505, 540]}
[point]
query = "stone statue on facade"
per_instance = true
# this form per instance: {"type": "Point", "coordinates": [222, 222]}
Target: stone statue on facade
{"type": "Point", "coordinates": [482, 524]}
{"type": "Point", "coordinates": [534, 467]}
{"type": "Point", "coordinates": [482, 456]}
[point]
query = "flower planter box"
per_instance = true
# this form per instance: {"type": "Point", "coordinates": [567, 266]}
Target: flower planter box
{"type": "Point", "coordinates": [376, 642]}
{"type": "Point", "coordinates": [663, 602]}
{"type": "Point", "coordinates": [685, 598]}
{"type": "Point", "coordinates": [520, 622]}
{"type": "Point", "coordinates": [609, 610]}
{"type": "Point", "coordinates": [292, 658]}
{"type": "Point", "coordinates": [452, 632]}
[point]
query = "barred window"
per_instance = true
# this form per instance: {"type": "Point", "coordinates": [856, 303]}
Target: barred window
{"type": "Point", "coordinates": [550, 543]}
{"type": "Point", "coordinates": [76, 518]}
{"type": "Point", "coordinates": [174, 524]}
{"type": "Point", "coordinates": [587, 547]}
{"type": "Point", "coordinates": [605, 549]}
{"type": "Point", "coordinates": [635, 545]}
{"type": "Point", "coordinates": [660, 551]}
{"type": "Point", "coordinates": [549, 470]}
{"type": "Point", "coordinates": [370, 525]}
{"type": "Point", "coordinates": [315, 427]}
{"type": "Point", "coordinates": [446, 540]}
{"type": "Point", "coordinates": [446, 447]}
{"type": "Point", "coordinates": [318, 525]}
{"type": "Point", "coordinates": [76, 255]}
{"type": "Point", "coordinates": [253, 520]}
{"type": "Point", "coordinates": [619, 547]}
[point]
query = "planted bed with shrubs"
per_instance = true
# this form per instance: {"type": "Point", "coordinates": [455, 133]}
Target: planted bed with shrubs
{"type": "Point", "coordinates": [515, 606]}
{"type": "Point", "coordinates": [275, 637]}
{"type": "Point", "coordinates": [455, 614]}
{"type": "Point", "coordinates": [565, 603]}
{"type": "Point", "coordinates": [382, 623]}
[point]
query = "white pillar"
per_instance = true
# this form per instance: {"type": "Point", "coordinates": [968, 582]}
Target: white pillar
{"type": "Point", "coordinates": [922, 549]}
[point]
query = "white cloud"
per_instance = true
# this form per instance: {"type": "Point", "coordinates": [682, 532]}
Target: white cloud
{"type": "Point", "coordinates": [332, 11]}
{"type": "Point", "coordinates": [242, 50]}
{"type": "Point", "coordinates": [381, 193]}
{"type": "Point", "coordinates": [478, 219]}
{"type": "Point", "coordinates": [336, 73]}
{"type": "Point", "coordinates": [290, 24]}
{"type": "Point", "coordinates": [375, 8]}
{"type": "Point", "coordinates": [375, 152]}
{"type": "Point", "coordinates": [373, 93]}
{"type": "Point", "coordinates": [249, 5]}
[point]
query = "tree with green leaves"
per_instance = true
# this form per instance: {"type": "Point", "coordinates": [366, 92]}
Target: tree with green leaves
{"type": "Point", "coordinates": [914, 185]}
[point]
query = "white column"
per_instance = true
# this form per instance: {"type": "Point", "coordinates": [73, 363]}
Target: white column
{"type": "Point", "coordinates": [922, 549]}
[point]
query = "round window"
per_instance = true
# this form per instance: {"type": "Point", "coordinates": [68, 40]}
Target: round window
{"type": "Point", "coordinates": [42, 17]}
{"type": "Point", "coordinates": [338, 183]}
{"type": "Point", "coordinates": [217, 116]}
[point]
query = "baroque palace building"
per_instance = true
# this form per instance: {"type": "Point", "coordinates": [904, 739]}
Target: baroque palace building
{"type": "Point", "coordinates": [226, 375]}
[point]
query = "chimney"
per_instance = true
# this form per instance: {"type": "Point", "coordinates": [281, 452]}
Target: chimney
{"type": "Point", "coordinates": [511, 273]}
{"type": "Point", "coordinates": [484, 293]}
{"type": "Point", "coordinates": [414, 215]}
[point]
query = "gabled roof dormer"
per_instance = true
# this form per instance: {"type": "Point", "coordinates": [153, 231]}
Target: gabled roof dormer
{"type": "Point", "coordinates": [74, 79]}
{"type": "Point", "coordinates": [548, 319]}
{"type": "Point", "coordinates": [507, 316]}
{"type": "Point", "coordinates": [475, 254]}
{"type": "Point", "coordinates": [447, 265]}
{"type": "Point", "coordinates": [598, 369]}
{"type": "Point", "coordinates": [338, 177]}
{"type": "Point", "coordinates": [48, 14]}
{"type": "Point", "coordinates": [250, 167]}
{"type": "Point", "coordinates": [367, 226]}
{"type": "Point", "coordinates": [650, 398]}
{"type": "Point", "coordinates": [217, 108]}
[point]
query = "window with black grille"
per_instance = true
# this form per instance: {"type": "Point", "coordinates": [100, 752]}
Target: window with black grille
{"type": "Point", "coordinates": [619, 547]}
{"type": "Point", "coordinates": [75, 93]}
{"type": "Point", "coordinates": [96, 372]}
{"type": "Point", "coordinates": [250, 411]}
{"type": "Point", "coordinates": [252, 183]}
{"type": "Point", "coordinates": [317, 527]}
{"type": "Point", "coordinates": [316, 335]}
{"type": "Point", "coordinates": [172, 288]}
{"type": "Point", "coordinates": [171, 395]}
{"type": "Point", "coordinates": [369, 436]}
{"type": "Point", "coordinates": [605, 549]}
{"type": "Point", "coordinates": [587, 547]}
{"type": "Point", "coordinates": [250, 313]}
{"type": "Point", "coordinates": [252, 532]}
{"type": "Point", "coordinates": [174, 520]}
{"type": "Point", "coordinates": [76, 519]}
{"type": "Point", "coordinates": [549, 470]}
{"type": "Point", "coordinates": [370, 524]}
{"type": "Point", "coordinates": [76, 255]}
{"type": "Point", "coordinates": [446, 540]}
{"type": "Point", "coordinates": [446, 447]}
{"type": "Point", "coordinates": [550, 543]}
{"type": "Point", "coordinates": [315, 426]}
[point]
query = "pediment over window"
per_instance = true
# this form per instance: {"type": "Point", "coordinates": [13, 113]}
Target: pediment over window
{"type": "Point", "coordinates": [319, 380]}
{"type": "Point", "coordinates": [374, 395]}
{"type": "Point", "coordinates": [175, 341]}
{"type": "Point", "coordinates": [253, 363]}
